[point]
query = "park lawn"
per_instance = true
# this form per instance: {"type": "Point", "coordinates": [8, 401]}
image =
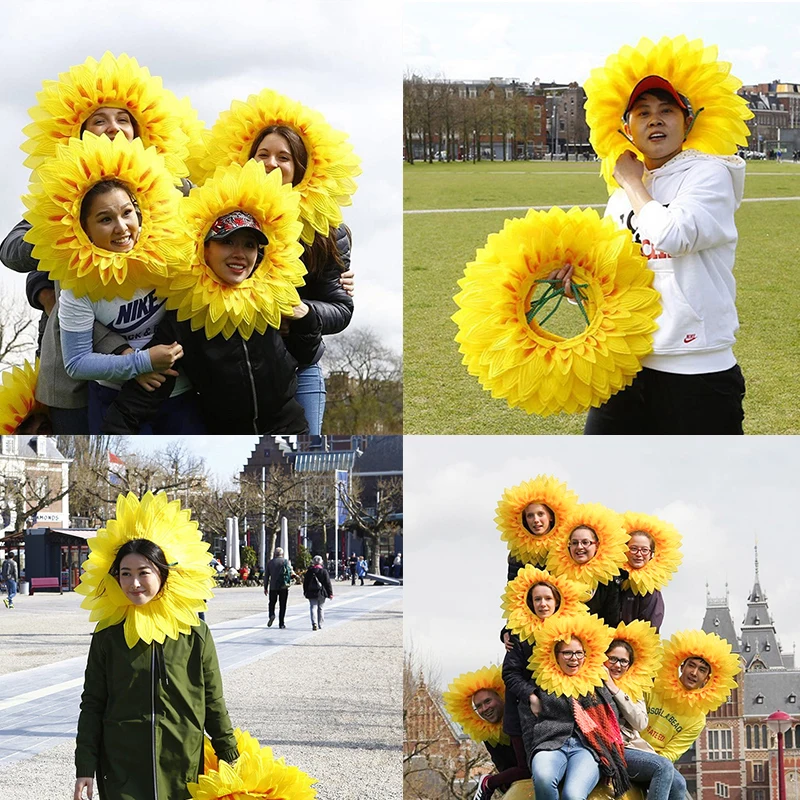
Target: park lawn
{"type": "Point", "coordinates": [441, 397]}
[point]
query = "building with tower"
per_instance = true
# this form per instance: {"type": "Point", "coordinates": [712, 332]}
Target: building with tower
{"type": "Point", "coordinates": [736, 756]}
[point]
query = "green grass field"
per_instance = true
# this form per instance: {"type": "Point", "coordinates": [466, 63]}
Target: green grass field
{"type": "Point", "coordinates": [440, 397]}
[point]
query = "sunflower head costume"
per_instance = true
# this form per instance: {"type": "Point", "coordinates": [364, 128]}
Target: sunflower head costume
{"type": "Point", "coordinates": [522, 621]}
{"type": "Point", "coordinates": [175, 609]}
{"type": "Point", "coordinates": [64, 248]}
{"type": "Point", "coordinates": [17, 396]}
{"type": "Point", "coordinates": [611, 539]}
{"type": "Point", "coordinates": [113, 82]}
{"type": "Point", "coordinates": [644, 640]}
{"type": "Point", "coordinates": [666, 556]}
{"type": "Point", "coordinates": [331, 164]}
{"type": "Point", "coordinates": [270, 291]}
{"type": "Point", "coordinates": [594, 637]}
{"type": "Point", "coordinates": [256, 774]}
{"type": "Point", "coordinates": [458, 704]}
{"type": "Point", "coordinates": [511, 352]}
{"type": "Point", "coordinates": [544, 490]}
{"type": "Point", "coordinates": [702, 82]}
{"type": "Point", "coordinates": [716, 652]}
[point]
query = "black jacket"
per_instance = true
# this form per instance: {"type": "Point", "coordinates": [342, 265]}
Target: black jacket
{"type": "Point", "coordinates": [519, 683]}
{"type": "Point", "coordinates": [245, 386]}
{"type": "Point", "coordinates": [316, 577]}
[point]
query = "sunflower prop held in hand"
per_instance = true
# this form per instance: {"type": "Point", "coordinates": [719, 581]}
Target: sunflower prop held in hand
{"type": "Point", "coordinates": [716, 652]}
{"type": "Point", "coordinates": [513, 356]}
{"type": "Point", "coordinates": [522, 621]}
{"type": "Point", "coordinates": [256, 774]}
{"type": "Point", "coordinates": [646, 644]}
{"type": "Point", "coordinates": [666, 558]}
{"type": "Point", "coordinates": [175, 609]}
{"type": "Point", "coordinates": [693, 70]}
{"type": "Point", "coordinates": [611, 545]}
{"type": "Point", "coordinates": [458, 704]}
{"type": "Point", "coordinates": [17, 396]}
{"type": "Point", "coordinates": [594, 637]}
{"type": "Point", "coordinates": [545, 490]}
{"type": "Point", "coordinates": [59, 241]}
{"type": "Point", "coordinates": [259, 301]}
{"type": "Point", "coordinates": [113, 82]}
{"type": "Point", "coordinates": [331, 167]}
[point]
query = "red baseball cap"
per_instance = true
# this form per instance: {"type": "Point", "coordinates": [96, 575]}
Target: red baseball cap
{"type": "Point", "coordinates": [234, 221]}
{"type": "Point", "coordinates": [655, 82]}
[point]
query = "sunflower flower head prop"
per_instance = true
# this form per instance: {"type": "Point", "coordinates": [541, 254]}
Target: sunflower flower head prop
{"type": "Point", "coordinates": [609, 535]}
{"type": "Point", "coordinates": [545, 490]}
{"type": "Point", "coordinates": [196, 292]}
{"type": "Point", "coordinates": [666, 556]}
{"type": "Point", "coordinates": [511, 352]}
{"type": "Point", "coordinates": [175, 609]}
{"type": "Point", "coordinates": [693, 71]}
{"type": "Point", "coordinates": [716, 652]}
{"type": "Point", "coordinates": [331, 167]}
{"type": "Point", "coordinates": [646, 645]}
{"type": "Point", "coordinates": [17, 396]}
{"type": "Point", "coordinates": [594, 637]}
{"type": "Point", "coordinates": [522, 621]}
{"type": "Point", "coordinates": [63, 247]}
{"type": "Point", "coordinates": [113, 82]}
{"type": "Point", "coordinates": [458, 704]}
{"type": "Point", "coordinates": [256, 774]}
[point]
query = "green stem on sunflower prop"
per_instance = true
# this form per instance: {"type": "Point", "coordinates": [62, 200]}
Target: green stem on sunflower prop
{"type": "Point", "coordinates": [555, 289]}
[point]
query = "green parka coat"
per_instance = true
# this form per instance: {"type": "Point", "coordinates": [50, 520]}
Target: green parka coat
{"type": "Point", "coordinates": [143, 713]}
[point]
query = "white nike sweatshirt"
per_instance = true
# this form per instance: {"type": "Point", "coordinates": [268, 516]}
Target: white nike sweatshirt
{"type": "Point", "coordinates": [688, 234]}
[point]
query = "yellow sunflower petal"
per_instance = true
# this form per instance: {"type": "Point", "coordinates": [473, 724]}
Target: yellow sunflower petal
{"type": "Point", "coordinates": [693, 70]}
{"type": "Point", "coordinates": [611, 550]}
{"type": "Point", "coordinates": [332, 164]}
{"type": "Point", "coordinates": [17, 396]}
{"type": "Point", "coordinates": [521, 620]}
{"type": "Point", "coordinates": [716, 652]}
{"type": "Point", "coordinates": [646, 644]}
{"type": "Point", "coordinates": [458, 704]}
{"type": "Point", "coordinates": [63, 247]}
{"type": "Point", "coordinates": [256, 774]}
{"type": "Point", "coordinates": [175, 609]}
{"type": "Point", "coordinates": [595, 638]}
{"type": "Point", "coordinates": [544, 489]}
{"type": "Point", "coordinates": [658, 571]}
{"type": "Point", "coordinates": [116, 82]}
{"type": "Point", "coordinates": [260, 300]}
{"type": "Point", "coordinates": [522, 362]}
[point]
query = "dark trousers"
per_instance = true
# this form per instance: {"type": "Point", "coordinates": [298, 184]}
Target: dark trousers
{"type": "Point", "coordinates": [283, 595]}
{"type": "Point", "coordinates": [668, 403]}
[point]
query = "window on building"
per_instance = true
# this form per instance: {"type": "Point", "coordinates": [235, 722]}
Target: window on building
{"type": "Point", "coordinates": [764, 737]}
{"type": "Point", "coordinates": [9, 445]}
{"type": "Point", "coordinates": [473, 91]}
{"type": "Point", "coordinates": [759, 794]}
{"type": "Point", "coordinates": [721, 789]}
{"type": "Point", "coordinates": [720, 745]}
{"type": "Point", "coordinates": [748, 732]}
{"type": "Point", "coordinates": [756, 737]}
{"type": "Point", "coordinates": [788, 739]}
{"type": "Point", "coordinates": [758, 772]}
{"type": "Point", "coordinates": [759, 698]}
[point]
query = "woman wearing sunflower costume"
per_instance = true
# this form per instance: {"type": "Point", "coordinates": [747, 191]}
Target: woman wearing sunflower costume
{"type": "Point", "coordinates": [679, 187]}
{"type": "Point", "coordinates": [109, 97]}
{"type": "Point", "coordinates": [153, 683]}
{"type": "Point", "coordinates": [226, 306]}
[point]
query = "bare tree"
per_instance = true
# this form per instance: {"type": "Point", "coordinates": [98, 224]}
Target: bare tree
{"type": "Point", "coordinates": [17, 331]}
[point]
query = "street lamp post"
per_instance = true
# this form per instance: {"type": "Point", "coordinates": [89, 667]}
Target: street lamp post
{"type": "Point", "coordinates": [780, 721]}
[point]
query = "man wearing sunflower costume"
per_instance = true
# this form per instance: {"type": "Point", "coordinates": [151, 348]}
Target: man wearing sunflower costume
{"type": "Point", "coordinates": [679, 187]}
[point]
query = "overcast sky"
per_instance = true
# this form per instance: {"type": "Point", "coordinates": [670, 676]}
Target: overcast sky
{"type": "Point", "coordinates": [343, 59]}
{"type": "Point", "coordinates": [719, 492]}
{"type": "Point", "coordinates": [564, 41]}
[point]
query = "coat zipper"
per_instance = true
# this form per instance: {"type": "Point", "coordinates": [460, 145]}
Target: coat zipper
{"type": "Point", "coordinates": [153, 716]}
{"type": "Point", "coordinates": [252, 387]}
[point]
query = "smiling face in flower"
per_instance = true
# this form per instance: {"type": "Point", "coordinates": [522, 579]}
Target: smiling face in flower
{"type": "Point", "coordinates": [538, 518]}
{"type": "Point", "coordinates": [110, 121]}
{"type": "Point", "coordinates": [582, 545]}
{"type": "Point", "coordinates": [110, 219]}
{"type": "Point", "coordinates": [139, 579]}
{"type": "Point", "coordinates": [695, 673]}
{"type": "Point", "coordinates": [640, 550]}
{"type": "Point", "coordinates": [570, 656]}
{"type": "Point", "coordinates": [657, 127]}
{"type": "Point", "coordinates": [488, 705]}
{"type": "Point", "coordinates": [543, 600]}
{"type": "Point", "coordinates": [618, 660]}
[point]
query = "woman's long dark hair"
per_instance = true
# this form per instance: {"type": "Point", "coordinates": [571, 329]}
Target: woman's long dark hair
{"type": "Point", "coordinates": [149, 550]}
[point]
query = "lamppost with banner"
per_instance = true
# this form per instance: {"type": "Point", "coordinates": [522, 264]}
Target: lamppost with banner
{"type": "Point", "coordinates": [342, 486]}
{"type": "Point", "coordinates": [779, 722]}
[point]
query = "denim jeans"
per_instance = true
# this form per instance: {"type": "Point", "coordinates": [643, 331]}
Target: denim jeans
{"type": "Point", "coordinates": [311, 396]}
{"type": "Point", "coordinates": [316, 603]}
{"type": "Point", "coordinates": [572, 760]}
{"type": "Point", "coordinates": [11, 588]}
{"type": "Point", "coordinates": [665, 781]}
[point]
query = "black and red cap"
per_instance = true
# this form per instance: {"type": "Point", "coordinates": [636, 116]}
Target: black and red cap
{"type": "Point", "coordinates": [656, 82]}
{"type": "Point", "coordinates": [234, 221]}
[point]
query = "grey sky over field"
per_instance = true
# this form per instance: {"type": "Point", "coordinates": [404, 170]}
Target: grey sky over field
{"type": "Point", "coordinates": [342, 59]}
{"type": "Point", "coordinates": [721, 493]}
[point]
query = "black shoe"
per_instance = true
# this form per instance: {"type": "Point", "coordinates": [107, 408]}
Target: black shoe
{"type": "Point", "coordinates": [271, 620]}
{"type": "Point", "coordinates": [313, 626]}
{"type": "Point", "coordinates": [283, 626]}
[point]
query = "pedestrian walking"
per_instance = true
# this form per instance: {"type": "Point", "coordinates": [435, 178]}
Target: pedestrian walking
{"type": "Point", "coordinates": [352, 564]}
{"type": "Point", "coordinates": [277, 581]}
{"type": "Point", "coordinates": [317, 589]}
{"type": "Point", "coordinates": [10, 575]}
{"type": "Point", "coordinates": [361, 568]}
{"type": "Point", "coordinates": [397, 566]}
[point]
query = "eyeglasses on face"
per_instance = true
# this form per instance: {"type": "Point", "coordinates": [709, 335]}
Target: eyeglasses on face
{"type": "Point", "coordinates": [583, 543]}
{"type": "Point", "coordinates": [643, 550]}
{"type": "Point", "coordinates": [623, 662]}
{"type": "Point", "coordinates": [573, 655]}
